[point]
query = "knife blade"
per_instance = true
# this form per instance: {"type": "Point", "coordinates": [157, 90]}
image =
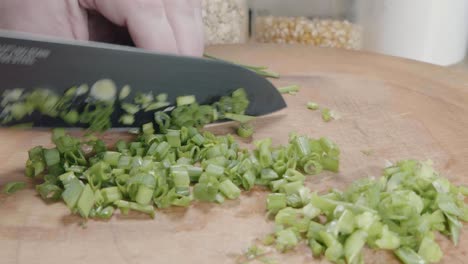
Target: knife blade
{"type": "Point", "coordinates": [30, 62]}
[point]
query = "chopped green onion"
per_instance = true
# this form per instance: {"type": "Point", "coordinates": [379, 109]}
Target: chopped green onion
{"type": "Point", "coordinates": [408, 256]}
{"type": "Point", "coordinates": [326, 115]}
{"type": "Point", "coordinates": [185, 100]}
{"type": "Point", "coordinates": [312, 106]}
{"type": "Point", "coordinates": [276, 202]}
{"type": "Point", "coordinates": [429, 250]}
{"type": "Point", "coordinates": [316, 248]}
{"type": "Point", "coordinates": [72, 193]}
{"type": "Point", "coordinates": [289, 89]}
{"type": "Point", "coordinates": [86, 201]}
{"type": "Point", "coordinates": [229, 189]}
{"type": "Point", "coordinates": [111, 194]}
{"type": "Point", "coordinates": [286, 239]}
{"type": "Point", "coordinates": [13, 187]}
{"type": "Point", "coordinates": [162, 97]}
{"type": "Point", "coordinates": [130, 108]}
{"type": "Point", "coordinates": [125, 206]}
{"type": "Point", "coordinates": [125, 92]}
{"type": "Point", "coordinates": [49, 191]}
{"type": "Point", "coordinates": [173, 138]}
{"type": "Point", "coordinates": [156, 105]}
{"type": "Point", "coordinates": [103, 90]}
{"type": "Point", "coordinates": [245, 130]}
{"type": "Point", "coordinates": [353, 246]}
{"type": "Point", "coordinates": [71, 117]}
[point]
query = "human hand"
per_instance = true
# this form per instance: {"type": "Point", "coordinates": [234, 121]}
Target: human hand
{"type": "Point", "coordinates": [169, 26]}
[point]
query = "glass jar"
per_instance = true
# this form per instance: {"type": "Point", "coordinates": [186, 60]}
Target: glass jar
{"type": "Point", "coordinates": [323, 23]}
{"type": "Point", "coordinates": [225, 21]}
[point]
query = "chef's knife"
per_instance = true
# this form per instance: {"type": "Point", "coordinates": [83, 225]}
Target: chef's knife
{"type": "Point", "coordinates": [30, 62]}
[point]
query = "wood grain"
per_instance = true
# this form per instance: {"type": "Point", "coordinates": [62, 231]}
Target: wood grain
{"type": "Point", "coordinates": [397, 108]}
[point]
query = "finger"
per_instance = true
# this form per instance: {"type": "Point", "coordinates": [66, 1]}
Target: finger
{"type": "Point", "coordinates": [60, 18]}
{"type": "Point", "coordinates": [185, 19]}
{"type": "Point", "coordinates": [145, 20]}
{"type": "Point", "coordinates": [152, 33]}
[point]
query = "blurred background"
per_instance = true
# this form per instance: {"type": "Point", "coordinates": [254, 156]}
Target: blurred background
{"type": "Point", "coordinates": [433, 31]}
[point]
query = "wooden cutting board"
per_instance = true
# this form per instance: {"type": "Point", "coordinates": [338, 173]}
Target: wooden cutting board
{"type": "Point", "coordinates": [393, 108]}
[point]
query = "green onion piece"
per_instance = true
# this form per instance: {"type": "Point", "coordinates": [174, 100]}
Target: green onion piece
{"type": "Point", "coordinates": [310, 211]}
{"type": "Point", "coordinates": [185, 100]}
{"type": "Point", "coordinates": [111, 194]}
{"type": "Point", "coordinates": [198, 139]}
{"type": "Point", "coordinates": [173, 138]}
{"type": "Point", "coordinates": [106, 212]}
{"type": "Point", "coordinates": [130, 108]}
{"type": "Point", "coordinates": [331, 163]}
{"type": "Point", "coordinates": [181, 182]}
{"type": "Point", "coordinates": [408, 256]}
{"type": "Point", "coordinates": [289, 89]}
{"type": "Point", "coordinates": [268, 174]}
{"type": "Point", "coordinates": [454, 228]}
{"type": "Point", "coordinates": [264, 152]}
{"type": "Point", "coordinates": [229, 189]}
{"type": "Point", "coordinates": [71, 117]}
{"type": "Point", "coordinates": [143, 99]}
{"type": "Point", "coordinates": [316, 248]}
{"type": "Point", "coordinates": [463, 190]}
{"type": "Point", "coordinates": [286, 239]}
{"type": "Point", "coordinates": [429, 250]}
{"type": "Point", "coordinates": [67, 177]}
{"type": "Point", "coordinates": [103, 90]}
{"type": "Point", "coordinates": [388, 240]}
{"type": "Point", "coordinates": [49, 191]}
{"type": "Point", "coordinates": [326, 115]}
{"type": "Point", "coordinates": [183, 201]}
{"type": "Point", "coordinates": [147, 128]}
{"type": "Point", "coordinates": [314, 230]}
{"type": "Point", "coordinates": [206, 189]}
{"type": "Point", "coordinates": [291, 187]}
{"type": "Point", "coordinates": [239, 118]}
{"type": "Point", "coordinates": [245, 130]}
{"type": "Point", "coordinates": [162, 97]}
{"type": "Point", "coordinates": [13, 187]}
{"type": "Point", "coordinates": [124, 206]}
{"type": "Point", "coordinates": [72, 193]}
{"type": "Point", "coordinates": [163, 120]}
{"type": "Point", "coordinates": [205, 192]}
{"type": "Point", "coordinates": [214, 170]}
{"type": "Point", "coordinates": [111, 157]}
{"type": "Point", "coordinates": [156, 105]}
{"type": "Point", "coordinates": [144, 194]}
{"type": "Point", "coordinates": [194, 173]}
{"type": "Point", "coordinates": [276, 202]}
{"type": "Point", "coordinates": [334, 249]}
{"type": "Point", "coordinates": [86, 201]}
{"type": "Point", "coordinates": [219, 198]}
{"type": "Point", "coordinates": [312, 106]}
{"type": "Point", "coordinates": [124, 92]}
{"type": "Point", "coordinates": [248, 180]}
{"type": "Point", "coordinates": [292, 175]}
{"type": "Point", "coordinates": [277, 185]}
{"type": "Point", "coordinates": [353, 246]}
